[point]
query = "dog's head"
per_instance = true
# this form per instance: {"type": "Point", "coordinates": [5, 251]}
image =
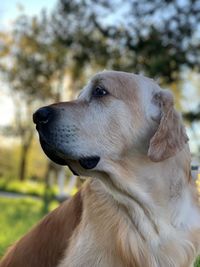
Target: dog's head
{"type": "Point", "coordinates": [117, 114]}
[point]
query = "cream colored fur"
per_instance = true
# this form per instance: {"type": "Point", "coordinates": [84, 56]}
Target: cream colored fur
{"type": "Point", "coordinates": [140, 207]}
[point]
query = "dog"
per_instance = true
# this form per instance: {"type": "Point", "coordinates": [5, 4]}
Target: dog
{"type": "Point", "coordinates": [140, 206]}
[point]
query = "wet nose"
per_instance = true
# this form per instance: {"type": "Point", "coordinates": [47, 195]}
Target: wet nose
{"type": "Point", "coordinates": [42, 115]}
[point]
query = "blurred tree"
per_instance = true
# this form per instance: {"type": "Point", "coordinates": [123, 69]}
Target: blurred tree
{"type": "Point", "coordinates": [158, 38]}
{"type": "Point", "coordinates": [192, 116]}
{"type": "Point", "coordinates": [162, 36]}
{"type": "Point", "coordinates": [73, 23]}
{"type": "Point", "coordinates": [33, 63]}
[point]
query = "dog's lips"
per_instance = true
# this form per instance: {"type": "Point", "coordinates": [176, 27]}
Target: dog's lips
{"type": "Point", "coordinates": [89, 162]}
{"type": "Point", "coordinates": [59, 158]}
{"type": "Point", "coordinates": [54, 157]}
{"type": "Point", "coordinates": [51, 153]}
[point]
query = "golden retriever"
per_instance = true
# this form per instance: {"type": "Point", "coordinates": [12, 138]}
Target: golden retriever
{"type": "Point", "coordinates": [140, 207]}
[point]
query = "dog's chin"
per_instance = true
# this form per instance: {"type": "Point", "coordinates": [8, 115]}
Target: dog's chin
{"type": "Point", "coordinates": [52, 154]}
{"type": "Point", "coordinates": [86, 163]}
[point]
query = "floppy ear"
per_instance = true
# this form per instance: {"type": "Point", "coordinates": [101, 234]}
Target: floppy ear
{"type": "Point", "coordinates": [170, 137]}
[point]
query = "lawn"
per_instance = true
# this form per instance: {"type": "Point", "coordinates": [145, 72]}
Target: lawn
{"type": "Point", "coordinates": [17, 216]}
{"type": "Point", "coordinates": [27, 187]}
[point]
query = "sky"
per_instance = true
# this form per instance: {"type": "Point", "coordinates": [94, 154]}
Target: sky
{"type": "Point", "coordinates": [9, 10]}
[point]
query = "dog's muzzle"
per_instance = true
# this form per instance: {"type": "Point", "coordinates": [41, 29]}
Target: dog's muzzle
{"type": "Point", "coordinates": [44, 118]}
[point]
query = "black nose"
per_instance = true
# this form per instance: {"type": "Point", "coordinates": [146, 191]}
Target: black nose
{"type": "Point", "coordinates": [42, 115]}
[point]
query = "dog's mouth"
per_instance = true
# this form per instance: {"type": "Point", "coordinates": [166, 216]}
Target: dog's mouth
{"type": "Point", "coordinates": [52, 153]}
{"type": "Point", "coordinates": [59, 158]}
{"type": "Point", "coordinates": [89, 162]}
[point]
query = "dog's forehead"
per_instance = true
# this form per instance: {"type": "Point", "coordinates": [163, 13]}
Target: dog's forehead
{"type": "Point", "coordinates": [121, 84]}
{"type": "Point", "coordinates": [123, 80]}
{"type": "Point", "coordinates": [115, 78]}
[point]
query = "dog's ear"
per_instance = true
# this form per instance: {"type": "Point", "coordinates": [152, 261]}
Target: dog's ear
{"type": "Point", "coordinates": [170, 137]}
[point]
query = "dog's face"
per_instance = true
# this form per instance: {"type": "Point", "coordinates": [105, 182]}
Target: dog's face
{"type": "Point", "coordinates": [115, 115]}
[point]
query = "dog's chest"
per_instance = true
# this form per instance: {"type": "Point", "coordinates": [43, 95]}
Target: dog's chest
{"type": "Point", "coordinates": [91, 250]}
{"type": "Point", "coordinates": [88, 250]}
{"type": "Point", "coordinates": [107, 237]}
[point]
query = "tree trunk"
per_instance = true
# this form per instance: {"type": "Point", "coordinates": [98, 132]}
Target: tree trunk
{"type": "Point", "coordinates": [23, 162]}
{"type": "Point", "coordinates": [51, 170]}
{"type": "Point", "coordinates": [26, 144]}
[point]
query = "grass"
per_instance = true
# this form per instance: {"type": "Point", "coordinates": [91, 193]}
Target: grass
{"type": "Point", "coordinates": [31, 188]}
{"type": "Point", "coordinates": [197, 263]}
{"type": "Point", "coordinates": [17, 216]}
{"type": "Point", "coordinates": [28, 187]}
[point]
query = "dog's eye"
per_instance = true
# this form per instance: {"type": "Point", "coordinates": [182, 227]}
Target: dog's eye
{"type": "Point", "coordinates": [99, 92]}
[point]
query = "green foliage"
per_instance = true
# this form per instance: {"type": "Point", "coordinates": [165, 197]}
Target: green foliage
{"type": "Point", "coordinates": [197, 263]}
{"type": "Point", "coordinates": [88, 49]}
{"type": "Point", "coordinates": [192, 116]}
{"type": "Point", "coordinates": [32, 64]}
{"type": "Point", "coordinates": [37, 58]}
{"type": "Point", "coordinates": [9, 161]}
{"type": "Point", "coordinates": [32, 188]}
{"type": "Point", "coordinates": [155, 37]}
{"type": "Point", "coordinates": [17, 217]}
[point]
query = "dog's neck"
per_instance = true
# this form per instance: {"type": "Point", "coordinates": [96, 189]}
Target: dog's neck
{"type": "Point", "coordinates": [154, 208]}
{"type": "Point", "coordinates": [161, 188]}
